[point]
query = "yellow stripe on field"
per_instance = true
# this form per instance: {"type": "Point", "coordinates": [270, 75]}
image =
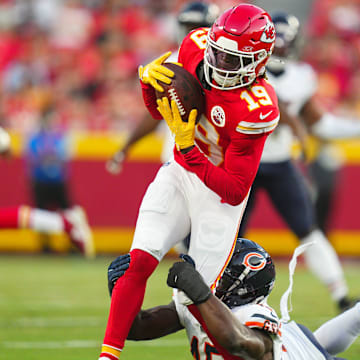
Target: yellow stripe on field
{"type": "Point", "coordinates": [118, 240]}
{"type": "Point", "coordinates": [102, 145]}
{"type": "Point", "coordinates": [283, 242]}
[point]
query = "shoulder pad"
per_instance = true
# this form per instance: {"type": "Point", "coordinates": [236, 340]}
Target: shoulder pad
{"type": "Point", "coordinates": [192, 48]}
{"type": "Point", "coordinates": [263, 113]}
{"type": "Point", "coordinates": [259, 316]}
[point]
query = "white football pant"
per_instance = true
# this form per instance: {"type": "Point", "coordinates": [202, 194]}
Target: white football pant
{"type": "Point", "coordinates": [177, 203]}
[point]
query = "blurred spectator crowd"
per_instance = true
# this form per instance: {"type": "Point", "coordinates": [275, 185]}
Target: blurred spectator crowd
{"type": "Point", "coordinates": [80, 58]}
{"type": "Point", "coordinates": [332, 46]}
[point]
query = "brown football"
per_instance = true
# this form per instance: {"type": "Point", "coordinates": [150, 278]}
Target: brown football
{"type": "Point", "coordinates": [185, 90]}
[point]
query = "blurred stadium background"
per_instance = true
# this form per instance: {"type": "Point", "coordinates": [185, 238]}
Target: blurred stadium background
{"type": "Point", "coordinates": [80, 58]}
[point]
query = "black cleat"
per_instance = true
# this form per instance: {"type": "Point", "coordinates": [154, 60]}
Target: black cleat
{"type": "Point", "coordinates": [346, 303]}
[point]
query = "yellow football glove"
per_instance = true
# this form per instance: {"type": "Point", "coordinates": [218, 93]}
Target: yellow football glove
{"type": "Point", "coordinates": [184, 132]}
{"type": "Point", "coordinates": [155, 71]}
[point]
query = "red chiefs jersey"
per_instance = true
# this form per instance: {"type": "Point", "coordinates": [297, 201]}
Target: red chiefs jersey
{"type": "Point", "coordinates": [231, 133]}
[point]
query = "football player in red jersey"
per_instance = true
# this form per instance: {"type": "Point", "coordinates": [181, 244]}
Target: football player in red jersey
{"type": "Point", "coordinates": [204, 189]}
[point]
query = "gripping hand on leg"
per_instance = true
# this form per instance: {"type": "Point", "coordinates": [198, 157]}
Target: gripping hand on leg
{"type": "Point", "coordinates": [117, 269]}
{"type": "Point", "coordinates": [183, 276]}
{"type": "Point", "coordinates": [184, 132]}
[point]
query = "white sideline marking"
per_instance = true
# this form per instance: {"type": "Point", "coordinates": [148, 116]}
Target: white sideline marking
{"type": "Point", "coordinates": [58, 322]}
{"type": "Point", "coordinates": [50, 344]}
{"type": "Point", "coordinates": [84, 344]}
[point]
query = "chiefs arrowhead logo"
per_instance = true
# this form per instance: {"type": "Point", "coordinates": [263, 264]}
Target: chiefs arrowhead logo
{"type": "Point", "coordinates": [218, 116]}
{"type": "Point", "coordinates": [268, 34]}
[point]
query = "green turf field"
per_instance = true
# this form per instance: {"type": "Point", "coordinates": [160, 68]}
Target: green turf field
{"type": "Point", "coordinates": [56, 308]}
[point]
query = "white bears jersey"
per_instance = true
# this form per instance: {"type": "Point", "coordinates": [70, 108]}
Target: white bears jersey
{"type": "Point", "coordinates": [201, 346]}
{"type": "Point", "coordinates": [289, 341]}
{"type": "Point", "coordinates": [252, 315]}
{"type": "Point", "coordinates": [297, 346]}
{"type": "Point", "coordinates": [294, 87]}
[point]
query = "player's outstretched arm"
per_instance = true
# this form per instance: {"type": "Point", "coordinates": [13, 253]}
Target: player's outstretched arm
{"type": "Point", "coordinates": [327, 126]}
{"type": "Point", "coordinates": [222, 325]}
{"type": "Point", "coordinates": [298, 128]}
{"type": "Point", "coordinates": [145, 127]}
{"type": "Point", "coordinates": [232, 335]}
{"type": "Point", "coordinates": [151, 323]}
{"type": "Point", "coordinates": [155, 322]}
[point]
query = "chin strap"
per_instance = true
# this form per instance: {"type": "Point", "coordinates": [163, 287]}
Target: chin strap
{"type": "Point", "coordinates": [284, 301]}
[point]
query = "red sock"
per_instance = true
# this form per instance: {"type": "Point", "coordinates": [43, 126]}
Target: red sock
{"type": "Point", "coordinates": [127, 297]}
{"type": "Point", "coordinates": [67, 224]}
{"type": "Point", "coordinates": [11, 218]}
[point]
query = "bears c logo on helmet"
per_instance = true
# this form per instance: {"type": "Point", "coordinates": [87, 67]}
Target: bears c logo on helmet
{"type": "Point", "coordinates": [254, 261]}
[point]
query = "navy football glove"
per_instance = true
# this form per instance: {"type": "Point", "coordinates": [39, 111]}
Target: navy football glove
{"type": "Point", "coordinates": [183, 276]}
{"type": "Point", "coordinates": [117, 269]}
{"type": "Point", "coordinates": [188, 259]}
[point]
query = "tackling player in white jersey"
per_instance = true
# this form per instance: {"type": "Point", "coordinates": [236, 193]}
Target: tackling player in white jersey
{"type": "Point", "coordinates": [236, 322]}
{"type": "Point", "coordinates": [295, 85]}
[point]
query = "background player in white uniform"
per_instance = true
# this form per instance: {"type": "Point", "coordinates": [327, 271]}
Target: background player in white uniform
{"type": "Point", "coordinates": [251, 329]}
{"type": "Point", "coordinates": [205, 189]}
{"type": "Point", "coordinates": [295, 85]}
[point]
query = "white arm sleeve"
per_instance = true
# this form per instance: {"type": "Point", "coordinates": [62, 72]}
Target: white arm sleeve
{"type": "Point", "coordinates": [333, 127]}
{"type": "Point", "coordinates": [337, 334]}
{"type": "Point", "coordinates": [4, 140]}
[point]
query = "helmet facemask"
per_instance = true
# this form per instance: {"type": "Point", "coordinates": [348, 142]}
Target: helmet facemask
{"type": "Point", "coordinates": [231, 69]}
{"type": "Point", "coordinates": [235, 292]}
{"type": "Point", "coordinates": [249, 277]}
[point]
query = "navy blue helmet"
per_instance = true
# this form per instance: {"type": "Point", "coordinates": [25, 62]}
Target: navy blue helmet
{"type": "Point", "coordinates": [249, 277]}
{"type": "Point", "coordinates": [194, 15]}
{"type": "Point", "coordinates": [287, 28]}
